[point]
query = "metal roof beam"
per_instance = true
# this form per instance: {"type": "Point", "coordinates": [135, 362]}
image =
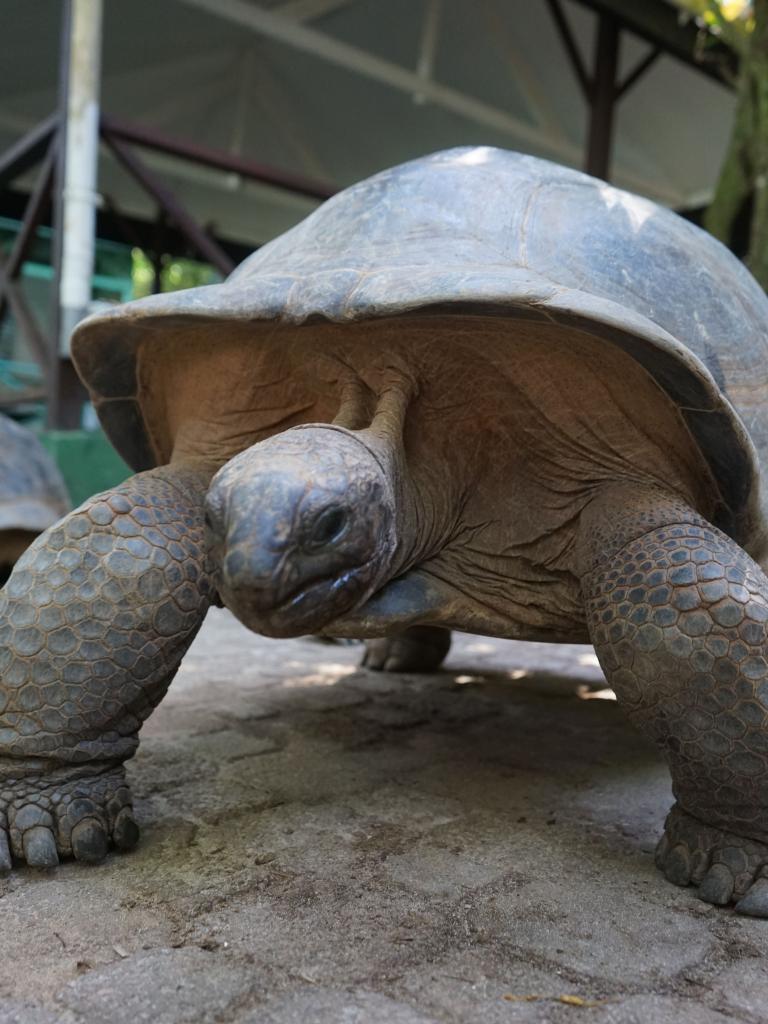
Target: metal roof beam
{"type": "Point", "coordinates": [26, 152]}
{"type": "Point", "coordinates": [428, 49]}
{"type": "Point", "coordinates": [638, 71]}
{"type": "Point", "coordinates": [522, 73]}
{"type": "Point", "coordinates": [168, 202]}
{"type": "Point", "coordinates": [571, 48]}
{"type": "Point", "coordinates": [231, 163]}
{"type": "Point", "coordinates": [309, 10]}
{"type": "Point", "coordinates": [659, 24]}
{"type": "Point", "coordinates": [357, 60]}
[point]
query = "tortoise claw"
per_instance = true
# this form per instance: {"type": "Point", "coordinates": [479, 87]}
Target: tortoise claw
{"type": "Point", "coordinates": [49, 818]}
{"type": "Point", "coordinates": [677, 865]}
{"type": "Point", "coordinates": [725, 867]}
{"type": "Point", "coordinates": [125, 831]}
{"type": "Point", "coordinates": [89, 841]}
{"type": "Point", "coordinates": [40, 847]}
{"type": "Point", "coordinates": [717, 886]}
{"type": "Point", "coordinates": [755, 903]}
{"type": "Point", "coordinates": [5, 852]}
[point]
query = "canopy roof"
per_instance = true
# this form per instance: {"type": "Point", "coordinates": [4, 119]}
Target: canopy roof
{"type": "Point", "coordinates": [338, 89]}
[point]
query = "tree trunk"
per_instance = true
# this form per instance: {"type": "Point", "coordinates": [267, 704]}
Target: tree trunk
{"type": "Point", "coordinates": [745, 170]}
{"type": "Point", "coordinates": [757, 258]}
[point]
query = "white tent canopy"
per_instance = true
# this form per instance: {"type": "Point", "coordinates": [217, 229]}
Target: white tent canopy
{"type": "Point", "coordinates": [338, 89]}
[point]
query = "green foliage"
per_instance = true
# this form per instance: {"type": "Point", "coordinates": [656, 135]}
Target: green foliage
{"type": "Point", "coordinates": [175, 274]}
{"type": "Point", "coordinates": [730, 20]}
{"type": "Point", "coordinates": [743, 180]}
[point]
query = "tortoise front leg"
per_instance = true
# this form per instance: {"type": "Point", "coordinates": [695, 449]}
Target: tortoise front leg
{"type": "Point", "coordinates": [94, 621]}
{"type": "Point", "coordinates": [678, 614]}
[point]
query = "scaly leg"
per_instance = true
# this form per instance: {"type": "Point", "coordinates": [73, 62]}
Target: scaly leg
{"type": "Point", "coordinates": [94, 621]}
{"type": "Point", "coordinates": [678, 614]}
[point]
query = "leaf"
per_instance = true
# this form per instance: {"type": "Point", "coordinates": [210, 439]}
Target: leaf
{"type": "Point", "coordinates": [577, 1000]}
{"type": "Point", "coordinates": [567, 999]}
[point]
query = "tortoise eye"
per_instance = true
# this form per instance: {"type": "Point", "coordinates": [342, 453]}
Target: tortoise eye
{"type": "Point", "coordinates": [327, 527]}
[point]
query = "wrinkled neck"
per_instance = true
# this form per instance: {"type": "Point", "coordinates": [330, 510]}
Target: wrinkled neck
{"type": "Point", "coordinates": [390, 455]}
{"type": "Point", "coordinates": [421, 522]}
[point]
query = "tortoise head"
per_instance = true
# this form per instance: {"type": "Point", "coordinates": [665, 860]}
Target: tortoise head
{"type": "Point", "coordinates": [302, 528]}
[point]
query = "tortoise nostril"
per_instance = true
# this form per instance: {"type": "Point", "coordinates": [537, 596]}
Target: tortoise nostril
{"type": "Point", "coordinates": [327, 527]}
{"type": "Point", "coordinates": [212, 523]}
{"type": "Point", "coordinates": [212, 536]}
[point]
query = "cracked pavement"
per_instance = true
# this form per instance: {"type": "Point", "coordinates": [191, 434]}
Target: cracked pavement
{"type": "Point", "coordinates": [322, 844]}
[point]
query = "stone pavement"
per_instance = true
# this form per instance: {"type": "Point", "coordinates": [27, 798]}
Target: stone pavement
{"type": "Point", "coordinates": [329, 846]}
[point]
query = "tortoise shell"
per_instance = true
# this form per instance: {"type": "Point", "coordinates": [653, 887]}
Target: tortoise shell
{"type": "Point", "coordinates": [32, 492]}
{"type": "Point", "coordinates": [482, 231]}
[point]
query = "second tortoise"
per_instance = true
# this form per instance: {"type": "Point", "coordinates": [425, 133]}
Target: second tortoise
{"type": "Point", "coordinates": [33, 495]}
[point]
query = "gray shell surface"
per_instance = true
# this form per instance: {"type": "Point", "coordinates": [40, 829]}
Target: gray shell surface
{"type": "Point", "coordinates": [484, 231]}
{"type": "Point", "coordinates": [32, 492]}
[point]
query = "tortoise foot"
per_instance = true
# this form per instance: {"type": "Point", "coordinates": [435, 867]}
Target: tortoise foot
{"type": "Point", "coordinates": [417, 649]}
{"type": "Point", "coordinates": [76, 812]}
{"type": "Point", "coordinates": [725, 867]}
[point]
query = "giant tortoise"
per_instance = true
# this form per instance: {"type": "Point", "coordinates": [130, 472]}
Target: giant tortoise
{"type": "Point", "coordinates": [478, 391]}
{"type": "Point", "coordinates": [33, 495]}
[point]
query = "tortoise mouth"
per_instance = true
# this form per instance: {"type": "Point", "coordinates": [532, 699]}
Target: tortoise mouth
{"type": "Point", "coordinates": [307, 609]}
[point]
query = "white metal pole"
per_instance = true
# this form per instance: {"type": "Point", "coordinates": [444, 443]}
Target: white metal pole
{"type": "Point", "coordinates": [80, 166]}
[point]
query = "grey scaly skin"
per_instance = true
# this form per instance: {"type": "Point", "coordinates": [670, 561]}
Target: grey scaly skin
{"type": "Point", "coordinates": [33, 495]}
{"type": "Point", "coordinates": [677, 612]}
{"type": "Point", "coordinates": [94, 622]}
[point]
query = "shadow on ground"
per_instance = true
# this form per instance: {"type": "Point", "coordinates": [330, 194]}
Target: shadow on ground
{"type": "Point", "coordinates": [323, 844]}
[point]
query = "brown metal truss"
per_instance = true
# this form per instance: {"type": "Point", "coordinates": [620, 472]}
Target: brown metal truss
{"type": "Point", "coordinates": [655, 23]}
{"type": "Point", "coordinates": [209, 249]}
{"type": "Point", "coordinates": [217, 159]}
{"type": "Point", "coordinates": [28, 151]}
{"type": "Point", "coordinates": [42, 146]}
{"type": "Point", "coordinates": [659, 24]}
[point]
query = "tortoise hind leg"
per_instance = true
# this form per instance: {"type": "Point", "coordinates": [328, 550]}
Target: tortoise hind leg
{"type": "Point", "coordinates": [678, 614]}
{"type": "Point", "coordinates": [416, 649]}
{"type": "Point", "coordinates": [94, 621]}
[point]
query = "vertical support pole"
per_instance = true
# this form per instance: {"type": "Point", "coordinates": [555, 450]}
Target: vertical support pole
{"type": "Point", "coordinates": [77, 179]}
{"type": "Point", "coordinates": [602, 100]}
{"type": "Point", "coordinates": [80, 164]}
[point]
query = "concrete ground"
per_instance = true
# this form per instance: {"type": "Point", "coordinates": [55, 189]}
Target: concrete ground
{"type": "Point", "coordinates": [330, 846]}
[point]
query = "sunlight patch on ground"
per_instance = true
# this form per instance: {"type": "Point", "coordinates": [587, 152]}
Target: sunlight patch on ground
{"type": "Point", "coordinates": [326, 675]}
